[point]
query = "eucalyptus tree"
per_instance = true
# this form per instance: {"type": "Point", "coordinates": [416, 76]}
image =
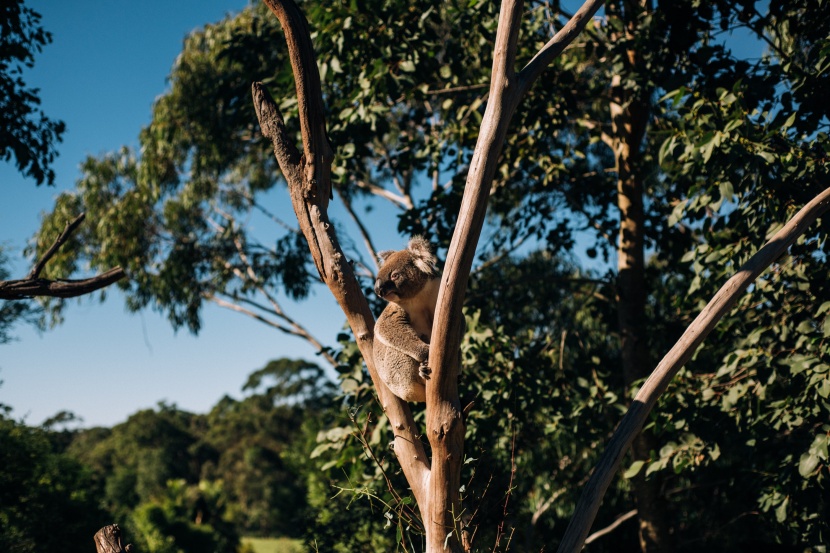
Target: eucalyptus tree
{"type": "Point", "coordinates": [649, 134]}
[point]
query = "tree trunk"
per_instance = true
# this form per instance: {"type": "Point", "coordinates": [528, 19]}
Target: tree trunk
{"type": "Point", "coordinates": [629, 120]}
{"type": "Point", "coordinates": [108, 540]}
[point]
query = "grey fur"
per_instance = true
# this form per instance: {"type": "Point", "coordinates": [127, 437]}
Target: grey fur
{"type": "Point", "coordinates": [409, 280]}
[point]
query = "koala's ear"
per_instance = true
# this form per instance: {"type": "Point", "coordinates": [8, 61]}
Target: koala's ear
{"type": "Point", "coordinates": [384, 255]}
{"type": "Point", "coordinates": [424, 260]}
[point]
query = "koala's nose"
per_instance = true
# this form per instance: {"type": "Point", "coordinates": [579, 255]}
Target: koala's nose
{"type": "Point", "coordinates": [381, 287]}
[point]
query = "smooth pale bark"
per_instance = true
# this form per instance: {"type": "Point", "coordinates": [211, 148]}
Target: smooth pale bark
{"type": "Point", "coordinates": [634, 419]}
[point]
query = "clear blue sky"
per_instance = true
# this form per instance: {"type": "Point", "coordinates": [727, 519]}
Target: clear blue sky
{"type": "Point", "coordinates": [107, 63]}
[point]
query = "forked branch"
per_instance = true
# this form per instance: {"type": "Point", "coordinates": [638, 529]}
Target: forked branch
{"type": "Point", "coordinates": [33, 286]}
{"type": "Point", "coordinates": [309, 182]}
{"type": "Point", "coordinates": [435, 486]}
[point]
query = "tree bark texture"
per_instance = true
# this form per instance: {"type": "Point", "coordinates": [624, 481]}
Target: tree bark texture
{"type": "Point", "coordinates": [108, 540]}
{"type": "Point", "coordinates": [436, 485]}
{"type": "Point", "coordinates": [629, 110]}
{"type": "Point", "coordinates": [637, 414]}
{"type": "Point", "coordinates": [33, 285]}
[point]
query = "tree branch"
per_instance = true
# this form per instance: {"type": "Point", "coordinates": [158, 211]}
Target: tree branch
{"type": "Point", "coordinates": [435, 487]}
{"type": "Point", "coordinates": [294, 330]}
{"type": "Point", "coordinates": [611, 527]}
{"type": "Point", "coordinates": [444, 429]}
{"type": "Point", "coordinates": [400, 201]}
{"type": "Point", "coordinates": [33, 285]}
{"type": "Point", "coordinates": [317, 152]}
{"type": "Point", "coordinates": [558, 43]}
{"type": "Point", "coordinates": [364, 233]}
{"type": "Point", "coordinates": [634, 419]}
{"type": "Point", "coordinates": [309, 197]}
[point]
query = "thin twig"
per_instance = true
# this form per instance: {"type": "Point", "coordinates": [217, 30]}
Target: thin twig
{"type": "Point", "coordinates": [611, 527]}
{"type": "Point", "coordinates": [364, 233]}
{"type": "Point", "coordinates": [64, 236]}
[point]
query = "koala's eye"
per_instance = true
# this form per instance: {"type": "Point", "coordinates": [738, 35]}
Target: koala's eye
{"type": "Point", "coordinates": [395, 275]}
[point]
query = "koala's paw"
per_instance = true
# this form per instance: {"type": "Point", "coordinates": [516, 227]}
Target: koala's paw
{"type": "Point", "coordinates": [424, 371]}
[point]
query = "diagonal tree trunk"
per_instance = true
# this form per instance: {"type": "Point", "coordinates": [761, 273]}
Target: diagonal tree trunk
{"type": "Point", "coordinates": [632, 423]}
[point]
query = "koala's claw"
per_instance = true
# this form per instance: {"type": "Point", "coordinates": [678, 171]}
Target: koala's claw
{"type": "Point", "coordinates": [424, 371]}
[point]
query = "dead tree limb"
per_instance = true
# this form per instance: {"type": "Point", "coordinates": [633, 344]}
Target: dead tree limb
{"type": "Point", "coordinates": [33, 285]}
{"type": "Point", "coordinates": [634, 419]}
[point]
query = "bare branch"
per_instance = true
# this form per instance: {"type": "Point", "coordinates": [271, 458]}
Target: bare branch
{"type": "Point", "coordinates": [400, 201]}
{"type": "Point", "coordinates": [33, 285]}
{"type": "Point", "coordinates": [633, 421]}
{"type": "Point", "coordinates": [453, 90]}
{"type": "Point", "coordinates": [295, 329]}
{"type": "Point", "coordinates": [309, 197]}
{"type": "Point", "coordinates": [558, 43]}
{"type": "Point", "coordinates": [64, 236]}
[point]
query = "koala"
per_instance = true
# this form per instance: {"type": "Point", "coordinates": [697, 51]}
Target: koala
{"type": "Point", "coordinates": [409, 280]}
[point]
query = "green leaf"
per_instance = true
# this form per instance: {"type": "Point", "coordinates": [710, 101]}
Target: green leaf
{"type": "Point", "coordinates": [634, 469]}
{"type": "Point", "coordinates": [677, 214]}
{"type": "Point", "coordinates": [806, 465]}
{"type": "Point", "coordinates": [733, 124]}
{"type": "Point", "coordinates": [727, 192]}
{"type": "Point", "coordinates": [781, 510]}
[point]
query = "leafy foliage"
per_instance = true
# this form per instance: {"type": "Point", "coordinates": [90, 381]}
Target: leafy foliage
{"type": "Point", "coordinates": [27, 134]}
{"type": "Point", "coordinates": [730, 146]}
{"type": "Point", "coordinates": [47, 501]}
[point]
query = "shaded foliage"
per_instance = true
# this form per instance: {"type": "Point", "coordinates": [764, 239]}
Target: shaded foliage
{"type": "Point", "coordinates": [27, 134]}
{"type": "Point", "coordinates": [47, 500]}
